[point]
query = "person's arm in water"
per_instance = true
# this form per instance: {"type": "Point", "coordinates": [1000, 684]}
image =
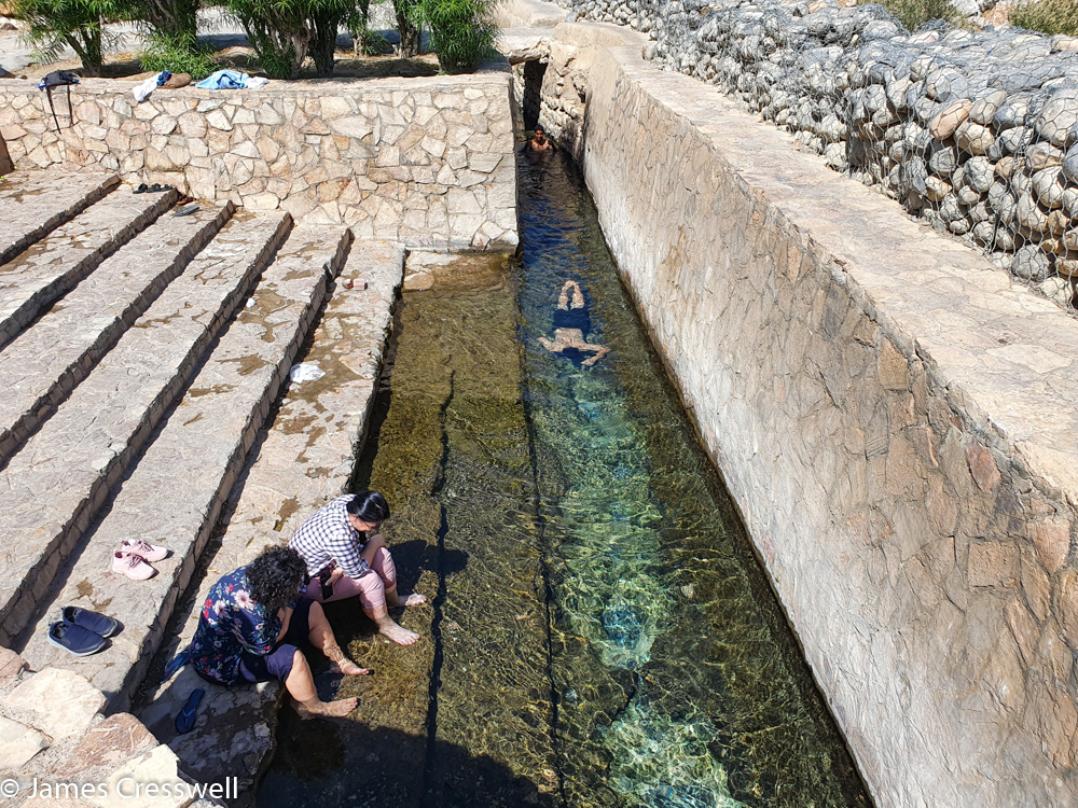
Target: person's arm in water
{"type": "Point", "coordinates": [547, 344]}
{"type": "Point", "coordinates": [600, 352]}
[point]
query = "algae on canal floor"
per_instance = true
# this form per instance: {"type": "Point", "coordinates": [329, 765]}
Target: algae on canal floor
{"type": "Point", "coordinates": [600, 632]}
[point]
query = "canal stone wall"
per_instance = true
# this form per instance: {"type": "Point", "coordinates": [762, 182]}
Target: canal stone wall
{"type": "Point", "coordinates": [427, 162]}
{"type": "Point", "coordinates": [894, 419]}
{"type": "Point", "coordinates": [976, 132]}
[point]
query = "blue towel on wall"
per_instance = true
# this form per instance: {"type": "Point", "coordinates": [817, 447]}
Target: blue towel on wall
{"type": "Point", "coordinates": [224, 80]}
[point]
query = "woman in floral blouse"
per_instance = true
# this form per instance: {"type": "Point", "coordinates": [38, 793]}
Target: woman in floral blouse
{"type": "Point", "coordinates": [255, 627]}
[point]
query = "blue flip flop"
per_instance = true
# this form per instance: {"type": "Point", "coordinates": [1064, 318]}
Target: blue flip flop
{"type": "Point", "coordinates": [100, 624]}
{"type": "Point", "coordinates": [75, 639]}
{"type": "Point", "coordinates": [185, 719]}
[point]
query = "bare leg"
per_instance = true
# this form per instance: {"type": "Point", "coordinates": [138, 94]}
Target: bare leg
{"type": "Point", "coordinates": [578, 296]}
{"type": "Point", "coordinates": [300, 685]}
{"type": "Point", "coordinates": [372, 594]}
{"type": "Point", "coordinates": [384, 571]}
{"type": "Point", "coordinates": [371, 591]}
{"type": "Point", "coordinates": [387, 571]}
{"type": "Point", "coordinates": [321, 637]}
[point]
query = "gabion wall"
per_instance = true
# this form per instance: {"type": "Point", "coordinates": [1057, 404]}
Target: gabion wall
{"type": "Point", "coordinates": [976, 132]}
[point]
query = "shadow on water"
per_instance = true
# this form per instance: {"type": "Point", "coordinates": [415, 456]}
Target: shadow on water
{"type": "Point", "coordinates": [312, 756]}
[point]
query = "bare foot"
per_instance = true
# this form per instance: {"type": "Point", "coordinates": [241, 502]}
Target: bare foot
{"type": "Point", "coordinates": [413, 599]}
{"type": "Point", "coordinates": [348, 668]}
{"type": "Point", "coordinates": [325, 709]}
{"type": "Point", "coordinates": [399, 634]}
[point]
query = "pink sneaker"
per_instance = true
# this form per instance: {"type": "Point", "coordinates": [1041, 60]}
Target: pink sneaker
{"type": "Point", "coordinates": [132, 565]}
{"type": "Point", "coordinates": [151, 552]}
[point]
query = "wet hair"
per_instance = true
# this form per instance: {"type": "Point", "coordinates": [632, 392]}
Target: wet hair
{"type": "Point", "coordinates": [370, 506]}
{"type": "Point", "coordinates": [275, 577]}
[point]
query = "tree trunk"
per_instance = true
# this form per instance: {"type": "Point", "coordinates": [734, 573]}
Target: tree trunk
{"type": "Point", "coordinates": [408, 32]}
{"type": "Point", "coordinates": [324, 32]}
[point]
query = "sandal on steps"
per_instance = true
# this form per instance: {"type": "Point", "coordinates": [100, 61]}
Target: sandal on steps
{"type": "Point", "coordinates": [186, 718]}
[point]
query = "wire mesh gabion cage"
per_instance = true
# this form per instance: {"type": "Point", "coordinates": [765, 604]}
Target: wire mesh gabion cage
{"type": "Point", "coordinates": [974, 131]}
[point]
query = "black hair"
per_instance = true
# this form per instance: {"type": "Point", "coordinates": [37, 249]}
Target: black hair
{"type": "Point", "coordinates": [275, 577]}
{"type": "Point", "coordinates": [370, 506]}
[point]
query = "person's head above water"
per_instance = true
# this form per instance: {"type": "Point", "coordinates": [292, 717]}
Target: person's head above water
{"type": "Point", "coordinates": [276, 576]}
{"type": "Point", "coordinates": [367, 510]}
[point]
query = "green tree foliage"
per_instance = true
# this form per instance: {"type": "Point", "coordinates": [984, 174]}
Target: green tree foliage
{"type": "Point", "coordinates": [461, 31]}
{"type": "Point", "coordinates": [284, 32]}
{"type": "Point", "coordinates": [77, 23]}
{"type": "Point", "coordinates": [172, 21]}
{"type": "Point", "coordinates": [915, 13]}
{"type": "Point", "coordinates": [1047, 16]}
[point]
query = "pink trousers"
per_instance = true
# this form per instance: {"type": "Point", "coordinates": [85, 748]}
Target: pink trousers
{"type": "Point", "coordinates": [370, 587]}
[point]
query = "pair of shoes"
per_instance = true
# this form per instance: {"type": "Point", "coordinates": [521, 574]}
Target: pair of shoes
{"type": "Point", "coordinates": [132, 558]}
{"type": "Point", "coordinates": [143, 188]}
{"type": "Point", "coordinates": [82, 632]}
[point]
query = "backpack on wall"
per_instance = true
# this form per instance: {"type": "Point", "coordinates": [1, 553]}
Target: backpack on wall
{"type": "Point", "coordinates": [59, 78]}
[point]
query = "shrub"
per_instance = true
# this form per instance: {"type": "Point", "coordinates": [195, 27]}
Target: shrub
{"type": "Point", "coordinates": [178, 55]}
{"type": "Point", "coordinates": [461, 32]}
{"type": "Point", "coordinates": [284, 32]}
{"type": "Point", "coordinates": [915, 13]}
{"type": "Point", "coordinates": [370, 43]}
{"type": "Point", "coordinates": [78, 23]}
{"type": "Point", "coordinates": [1047, 16]}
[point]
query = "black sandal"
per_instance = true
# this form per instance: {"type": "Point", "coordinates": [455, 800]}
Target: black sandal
{"type": "Point", "coordinates": [142, 188]}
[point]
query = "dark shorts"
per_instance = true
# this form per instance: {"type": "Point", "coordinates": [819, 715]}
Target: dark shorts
{"type": "Point", "coordinates": [277, 664]}
{"type": "Point", "coordinates": [572, 318]}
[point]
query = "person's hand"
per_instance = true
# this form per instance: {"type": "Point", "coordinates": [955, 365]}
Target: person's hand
{"type": "Point", "coordinates": [286, 617]}
{"type": "Point", "coordinates": [589, 362]}
{"type": "Point", "coordinates": [335, 576]}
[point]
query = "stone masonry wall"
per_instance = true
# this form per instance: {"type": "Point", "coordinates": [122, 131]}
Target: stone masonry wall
{"type": "Point", "coordinates": [426, 161]}
{"type": "Point", "coordinates": [893, 418]}
{"type": "Point", "coordinates": [977, 132]}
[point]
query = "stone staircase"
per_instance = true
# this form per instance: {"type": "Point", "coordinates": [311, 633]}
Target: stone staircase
{"type": "Point", "coordinates": [144, 352]}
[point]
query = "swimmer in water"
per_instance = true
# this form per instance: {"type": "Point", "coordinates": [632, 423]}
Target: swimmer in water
{"type": "Point", "coordinates": [571, 327]}
{"type": "Point", "coordinates": [539, 141]}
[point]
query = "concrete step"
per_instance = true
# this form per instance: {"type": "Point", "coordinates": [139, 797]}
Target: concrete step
{"type": "Point", "coordinates": [57, 482]}
{"type": "Point", "coordinates": [45, 363]}
{"type": "Point", "coordinates": [176, 492]}
{"type": "Point", "coordinates": [48, 269]}
{"type": "Point", "coordinates": [304, 458]}
{"type": "Point", "coordinates": [37, 202]}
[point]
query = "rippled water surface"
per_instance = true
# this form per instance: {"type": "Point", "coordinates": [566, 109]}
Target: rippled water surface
{"type": "Point", "coordinates": [600, 634]}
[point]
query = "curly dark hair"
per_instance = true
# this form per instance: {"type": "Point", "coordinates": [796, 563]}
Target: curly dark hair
{"type": "Point", "coordinates": [276, 576]}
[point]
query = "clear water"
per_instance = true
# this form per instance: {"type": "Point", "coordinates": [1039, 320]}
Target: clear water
{"type": "Point", "coordinates": [601, 633]}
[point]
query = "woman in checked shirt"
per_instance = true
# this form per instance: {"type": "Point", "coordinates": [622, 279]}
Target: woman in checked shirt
{"type": "Point", "coordinates": [346, 558]}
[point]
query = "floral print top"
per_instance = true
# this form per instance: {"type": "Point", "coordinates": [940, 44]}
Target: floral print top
{"type": "Point", "coordinates": [230, 625]}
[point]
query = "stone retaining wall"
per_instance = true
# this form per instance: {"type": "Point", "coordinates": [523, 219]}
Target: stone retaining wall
{"type": "Point", "coordinates": [57, 748]}
{"type": "Point", "coordinates": [977, 132]}
{"type": "Point", "coordinates": [894, 419]}
{"type": "Point", "coordinates": [425, 161]}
